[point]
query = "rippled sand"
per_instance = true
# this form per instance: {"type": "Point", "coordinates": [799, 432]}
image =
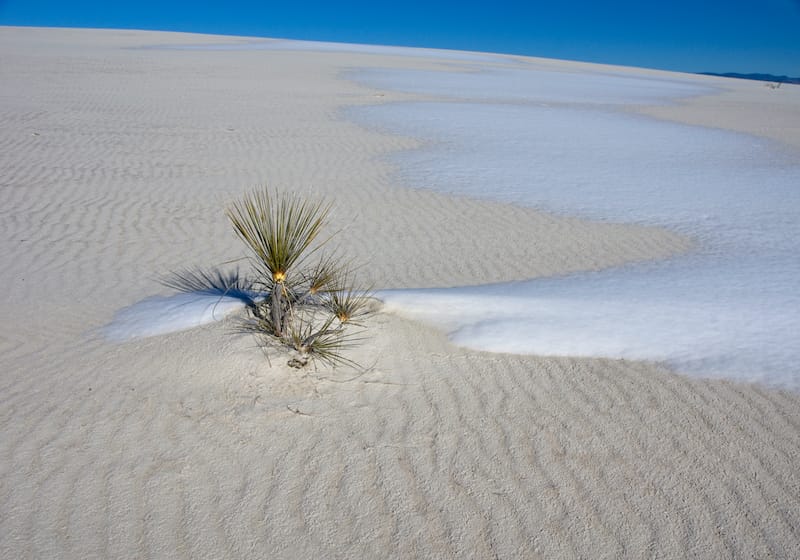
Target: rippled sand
{"type": "Point", "coordinates": [117, 162]}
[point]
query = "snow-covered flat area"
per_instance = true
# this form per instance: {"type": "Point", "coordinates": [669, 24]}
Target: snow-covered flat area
{"type": "Point", "coordinates": [164, 314]}
{"type": "Point", "coordinates": [556, 141]}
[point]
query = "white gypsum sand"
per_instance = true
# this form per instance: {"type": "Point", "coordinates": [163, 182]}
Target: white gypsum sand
{"type": "Point", "coordinates": [730, 308]}
{"type": "Point", "coordinates": [118, 161]}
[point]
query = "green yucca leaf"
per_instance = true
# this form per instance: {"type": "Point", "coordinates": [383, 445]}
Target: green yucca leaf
{"type": "Point", "coordinates": [346, 302]}
{"type": "Point", "coordinates": [324, 276]}
{"type": "Point", "coordinates": [324, 342]}
{"type": "Point", "coordinates": [278, 228]}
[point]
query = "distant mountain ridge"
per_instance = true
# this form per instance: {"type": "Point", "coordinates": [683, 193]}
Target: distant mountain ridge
{"type": "Point", "coordinates": [759, 77]}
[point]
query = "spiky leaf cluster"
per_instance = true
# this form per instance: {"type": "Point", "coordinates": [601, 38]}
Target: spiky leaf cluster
{"type": "Point", "coordinates": [307, 307]}
{"type": "Point", "coordinates": [279, 229]}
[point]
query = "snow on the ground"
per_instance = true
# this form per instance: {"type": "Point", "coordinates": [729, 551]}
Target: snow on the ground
{"type": "Point", "coordinates": [554, 141]}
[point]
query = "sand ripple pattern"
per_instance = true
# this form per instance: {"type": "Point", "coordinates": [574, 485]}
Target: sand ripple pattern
{"type": "Point", "coordinates": [502, 457]}
{"type": "Point", "coordinates": [116, 163]}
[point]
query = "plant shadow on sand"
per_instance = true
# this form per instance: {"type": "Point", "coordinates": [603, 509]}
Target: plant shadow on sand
{"type": "Point", "coordinates": [204, 295]}
{"type": "Point", "coordinates": [213, 281]}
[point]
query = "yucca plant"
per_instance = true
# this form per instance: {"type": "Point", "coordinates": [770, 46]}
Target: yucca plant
{"type": "Point", "coordinates": [348, 304]}
{"type": "Point", "coordinates": [306, 307]}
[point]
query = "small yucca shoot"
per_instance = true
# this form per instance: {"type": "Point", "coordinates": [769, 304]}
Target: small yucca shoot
{"type": "Point", "coordinates": [348, 305]}
{"type": "Point", "coordinates": [322, 342]}
{"type": "Point", "coordinates": [323, 277]}
{"type": "Point", "coordinates": [345, 301]}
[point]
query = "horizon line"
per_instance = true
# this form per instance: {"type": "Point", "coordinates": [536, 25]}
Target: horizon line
{"type": "Point", "coordinates": [722, 73]}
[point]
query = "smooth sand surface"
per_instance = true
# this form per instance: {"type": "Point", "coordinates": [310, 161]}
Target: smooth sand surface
{"type": "Point", "coordinates": [117, 162]}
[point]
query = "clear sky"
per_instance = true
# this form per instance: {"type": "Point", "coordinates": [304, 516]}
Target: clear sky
{"type": "Point", "coordinates": [686, 35]}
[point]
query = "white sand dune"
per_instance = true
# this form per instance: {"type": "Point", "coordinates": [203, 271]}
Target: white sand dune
{"type": "Point", "coordinates": [117, 163]}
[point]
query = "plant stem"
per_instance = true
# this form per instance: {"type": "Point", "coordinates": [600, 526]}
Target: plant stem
{"type": "Point", "coordinates": [276, 308]}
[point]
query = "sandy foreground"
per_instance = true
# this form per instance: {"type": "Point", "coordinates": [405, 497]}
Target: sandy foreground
{"type": "Point", "coordinates": [117, 162]}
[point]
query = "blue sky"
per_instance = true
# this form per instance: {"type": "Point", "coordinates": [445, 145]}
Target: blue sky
{"type": "Point", "coordinates": [710, 35]}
